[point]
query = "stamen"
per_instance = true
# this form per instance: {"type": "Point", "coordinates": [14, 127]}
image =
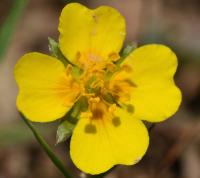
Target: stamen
{"type": "Point", "coordinates": [114, 56]}
{"type": "Point", "coordinates": [99, 83]}
{"type": "Point", "coordinates": [112, 108]}
{"type": "Point", "coordinates": [111, 67]}
{"type": "Point", "coordinates": [78, 56]}
{"type": "Point", "coordinates": [86, 114]}
{"type": "Point", "coordinates": [68, 69]}
{"type": "Point", "coordinates": [88, 94]}
{"type": "Point", "coordinates": [94, 100]}
{"type": "Point", "coordinates": [127, 68]}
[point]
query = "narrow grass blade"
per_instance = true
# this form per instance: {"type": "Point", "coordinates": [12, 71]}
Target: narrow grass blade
{"type": "Point", "coordinates": [9, 25]}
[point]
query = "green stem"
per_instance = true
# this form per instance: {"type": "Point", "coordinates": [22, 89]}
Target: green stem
{"type": "Point", "coordinates": [47, 149]}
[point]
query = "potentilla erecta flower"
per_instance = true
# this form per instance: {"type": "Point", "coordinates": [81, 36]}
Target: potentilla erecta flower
{"type": "Point", "coordinates": [118, 96]}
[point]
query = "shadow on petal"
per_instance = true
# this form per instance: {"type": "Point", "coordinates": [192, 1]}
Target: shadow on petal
{"type": "Point", "coordinates": [90, 129]}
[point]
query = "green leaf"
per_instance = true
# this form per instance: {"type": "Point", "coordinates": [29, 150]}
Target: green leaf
{"type": "Point", "coordinates": [9, 25]}
{"type": "Point", "coordinates": [57, 162]}
{"type": "Point", "coordinates": [126, 51]}
{"type": "Point", "coordinates": [56, 52]}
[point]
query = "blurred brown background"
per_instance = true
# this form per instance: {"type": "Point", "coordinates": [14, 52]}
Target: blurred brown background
{"type": "Point", "coordinates": [174, 150]}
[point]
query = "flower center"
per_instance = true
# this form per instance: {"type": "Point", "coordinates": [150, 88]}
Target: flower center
{"type": "Point", "coordinates": [103, 85]}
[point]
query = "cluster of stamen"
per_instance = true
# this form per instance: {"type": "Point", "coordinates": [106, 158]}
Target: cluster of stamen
{"type": "Point", "coordinates": [94, 83]}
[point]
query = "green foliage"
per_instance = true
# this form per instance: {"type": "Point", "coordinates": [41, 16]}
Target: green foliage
{"type": "Point", "coordinates": [64, 131]}
{"type": "Point", "coordinates": [9, 25]}
{"type": "Point", "coordinates": [70, 120]}
{"type": "Point", "coordinates": [56, 52]}
{"type": "Point", "coordinates": [126, 51]}
{"type": "Point", "coordinates": [67, 125]}
{"type": "Point", "coordinates": [82, 104]}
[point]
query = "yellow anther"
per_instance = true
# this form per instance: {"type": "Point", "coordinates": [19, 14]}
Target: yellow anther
{"type": "Point", "coordinates": [111, 67]}
{"type": "Point", "coordinates": [89, 95]}
{"type": "Point", "coordinates": [94, 100]}
{"type": "Point", "coordinates": [78, 55]}
{"type": "Point", "coordinates": [98, 83]}
{"type": "Point", "coordinates": [112, 108]}
{"type": "Point", "coordinates": [68, 69]}
{"type": "Point", "coordinates": [86, 114]}
{"type": "Point", "coordinates": [127, 68]}
{"type": "Point", "coordinates": [114, 56]}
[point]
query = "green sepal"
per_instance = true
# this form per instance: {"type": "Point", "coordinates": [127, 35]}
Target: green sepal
{"type": "Point", "coordinates": [76, 72]}
{"type": "Point", "coordinates": [56, 52]}
{"type": "Point", "coordinates": [67, 125]}
{"type": "Point", "coordinates": [126, 51]}
{"type": "Point", "coordinates": [64, 131]}
{"type": "Point", "coordinates": [70, 120]}
{"type": "Point", "coordinates": [123, 55]}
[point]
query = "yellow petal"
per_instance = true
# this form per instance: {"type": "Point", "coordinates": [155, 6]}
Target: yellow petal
{"type": "Point", "coordinates": [43, 93]}
{"type": "Point", "coordinates": [152, 68]}
{"type": "Point", "coordinates": [99, 144]}
{"type": "Point", "coordinates": [92, 34]}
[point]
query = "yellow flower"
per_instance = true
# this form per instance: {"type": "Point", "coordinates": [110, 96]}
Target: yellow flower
{"type": "Point", "coordinates": [111, 131]}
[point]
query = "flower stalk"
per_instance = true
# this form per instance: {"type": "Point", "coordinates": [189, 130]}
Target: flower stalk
{"type": "Point", "coordinates": [57, 162]}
